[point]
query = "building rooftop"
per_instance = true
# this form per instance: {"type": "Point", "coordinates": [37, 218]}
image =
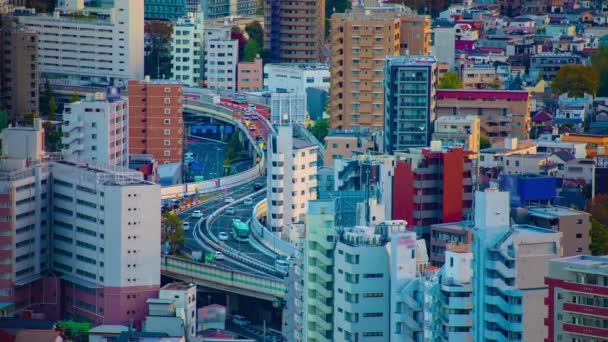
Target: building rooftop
{"type": "Point", "coordinates": [456, 226]}
{"type": "Point", "coordinates": [109, 329]}
{"type": "Point", "coordinates": [482, 94]}
{"type": "Point", "coordinates": [526, 229]}
{"type": "Point", "coordinates": [177, 287]}
{"type": "Point", "coordinates": [586, 263]}
{"type": "Point", "coordinates": [411, 60]}
{"type": "Point", "coordinates": [456, 118]}
{"type": "Point", "coordinates": [551, 212]}
{"type": "Point", "coordinates": [159, 301]}
{"type": "Point", "coordinates": [301, 66]}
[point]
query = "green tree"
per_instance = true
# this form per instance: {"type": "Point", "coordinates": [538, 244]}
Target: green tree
{"type": "Point", "coordinates": [252, 50]}
{"type": "Point", "coordinates": [484, 142]}
{"type": "Point", "coordinates": [172, 231]}
{"type": "Point", "coordinates": [52, 108]}
{"type": "Point", "coordinates": [157, 61]}
{"type": "Point", "coordinates": [599, 62]}
{"type": "Point", "coordinates": [234, 147]}
{"type": "Point", "coordinates": [47, 94]}
{"type": "Point", "coordinates": [52, 136]}
{"type": "Point", "coordinates": [599, 238]}
{"type": "Point", "coordinates": [320, 129]}
{"type": "Point", "coordinates": [3, 119]}
{"type": "Point", "coordinates": [450, 80]}
{"type": "Point", "coordinates": [255, 32]}
{"type": "Point", "coordinates": [75, 97]}
{"type": "Point", "coordinates": [28, 118]}
{"type": "Point", "coordinates": [575, 80]}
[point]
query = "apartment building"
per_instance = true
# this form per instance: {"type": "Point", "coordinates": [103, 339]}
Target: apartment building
{"type": "Point", "coordinates": [479, 76]}
{"type": "Point", "coordinates": [546, 64]}
{"type": "Point", "coordinates": [165, 10]}
{"type": "Point", "coordinates": [448, 234]}
{"type": "Point", "coordinates": [494, 157]}
{"type": "Point", "coordinates": [597, 144]}
{"type": "Point", "coordinates": [415, 35]}
{"type": "Point", "coordinates": [448, 297]}
{"type": "Point", "coordinates": [221, 58]}
{"type": "Point", "coordinates": [156, 125]}
{"type": "Point", "coordinates": [409, 101]}
{"type": "Point", "coordinates": [573, 224]}
{"type": "Point", "coordinates": [294, 31]}
{"type": "Point", "coordinates": [315, 319]}
{"type": "Point", "coordinates": [359, 41]}
{"type": "Point", "coordinates": [430, 186]}
{"type": "Point", "coordinates": [444, 43]}
{"type": "Point", "coordinates": [91, 46]}
{"type": "Point", "coordinates": [297, 78]}
{"type": "Point", "coordinates": [63, 227]}
{"type": "Point", "coordinates": [348, 144]}
{"type": "Point", "coordinates": [291, 177]}
{"type": "Point", "coordinates": [114, 256]}
{"type": "Point", "coordinates": [187, 45]}
{"type": "Point", "coordinates": [19, 80]}
{"type": "Point", "coordinates": [458, 131]}
{"type": "Point", "coordinates": [184, 297]}
{"type": "Point", "coordinates": [96, 129]}
{"type": "Point", "coordinates": [25, 227]}
{"type": "Point", "coordinates": [502, 113]}
{"type": "Point", "coordinates": [577, 298]}
{"type": "Point", "coordinates": [509, 265]}
{"type": "Point", "coordinates": [361, 286]}
{"type": "Point", "coordinates": [249, 76]}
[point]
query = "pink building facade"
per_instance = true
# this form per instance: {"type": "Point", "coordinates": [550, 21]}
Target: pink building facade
{"type": "Point", "coordinates": [250, 76]}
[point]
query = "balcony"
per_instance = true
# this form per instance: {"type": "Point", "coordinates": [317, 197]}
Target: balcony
{"type": "Point", "coordinates": [503, 305]}
{"type": "Point", "coordinates": [454, 320]}
{"type": "Point", "coordinates": [459, 303]}
{"type": "Point", "coordinates": [503, 323]}
{"type": "Point", "coordinates": [501, 269]}
{"type": "Point", "coordinates": [584, 330]}
{"type": "Point", "coordinates": [586, 309]}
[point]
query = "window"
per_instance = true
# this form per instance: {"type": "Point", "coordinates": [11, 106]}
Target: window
{"type": "Point", "coordinates": [579, 236]}
{"type": "Point", "coordinates": [167, 100]}
{"type": "Point", "coordinates": [167, 153]}
{"type": "Point", "coordinates": [167, 132]}
{"type": "Point", "coordinates": [167, 110]}
{"type": "Point", "coordinates": [167, 121]}
{"type": "Point", "coordinates": [167, 142]}
{"type": "Point", "coordinates": [168, 90]}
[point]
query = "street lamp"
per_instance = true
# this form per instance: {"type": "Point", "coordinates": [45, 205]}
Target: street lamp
{"type": "Point", "coordinates": [217, 157]}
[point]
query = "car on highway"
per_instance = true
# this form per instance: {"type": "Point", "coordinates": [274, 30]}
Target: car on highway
{"type": "Point", "coordinates": [223, 236]}
{"type": "Point", "coordinates": [197, 214]}
{"type": "Point", "coordinates": [252, 127]}
{"type": "Point", "coordinates": [248, 201]}
{"type": "Point", "coordinates": [219, 255]}
{"type": "Point", "coordinates": [229, 199]}
{"type": "Point", "coordinates": [251, 106]}
{"type": "Point", "coordinates": [241, 321]}
{"type": "Point", "coordinates": [281, 265]}
{"type": "Point", "coordinates": [257, 186]}
{"type": "Point", "coordinates": [186, 225]}
{"type": "Point", "coordinates": [230, 211]}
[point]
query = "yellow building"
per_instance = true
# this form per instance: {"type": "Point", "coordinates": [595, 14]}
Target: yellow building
{"type": "Point", "coordinates": [597, 145]}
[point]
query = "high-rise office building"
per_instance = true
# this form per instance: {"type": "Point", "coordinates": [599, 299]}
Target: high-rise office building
{"type": "Point", "coordinates": [96, 129]}
{"type": "Point", "coordinates": [578, 299]}
{"type": "Point", "coordinates": [294, 31]}
{"type": "Point", "coordinates": [291, 177]}
{"type": "Point", "coordinates": [359, 41]}
{"type": "Point", "coordinates": [509, 265]}
{"type": "Point", "coordinates": [156, 124]}
{"type": "Point", "coordinates": [91, 46]}
{"type": "Point", "coordinates": [410, 84]}
{"type": "Point", "coordinates": [19, 82]}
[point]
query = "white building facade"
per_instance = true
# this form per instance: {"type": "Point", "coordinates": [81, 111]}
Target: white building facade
{"type": "Point", "coordinates": [91, 47]}
{"type": "Point", "coordinates": [221, 59]}
{"type": "Point", "coordinates": [295, 77]}
{"type": "Point", "coordinates": [187, 45]}
{"type": "Point", "coordinates": [96, 129]}
{"type": "Point", "coordinates": [291, 178]}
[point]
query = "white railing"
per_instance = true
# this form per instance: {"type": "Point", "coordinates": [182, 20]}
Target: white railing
{"type": "Point", "coordinates": [270, 240]}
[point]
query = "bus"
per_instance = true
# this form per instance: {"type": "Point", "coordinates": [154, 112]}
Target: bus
{"type": "Point", "coordinates": [240, 230]}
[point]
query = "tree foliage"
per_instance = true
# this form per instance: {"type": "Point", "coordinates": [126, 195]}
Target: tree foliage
{"type": "Point", "coordinates": [450, 80]}
{"type": "Point", "coordinates": [238, 34]}
{"type": "Point", "coordinates": [234, 147]}
{"type": "Point", "coordinates": [157, 60]}
{"type": "Point", "coordinates": [575, 80]}
{"type": "Point", "coordinates": [599, 223]}
{"type": "Point", "coordinates": [484, 142]}
{"type": "Point", "coordinates": [172, 231]}
{"type": "Point", "coordinates": [28, 118]}
{"type": "Point", "coordinates": [255, 32]}
{"type": "Point", "coordinates": [252, 50]}
{"type": "Point", "coordinates": [599, 62]}
{"type": "Point", "coordinates": [75, 97]}
{"type": "Point", "coordinates": [320, 129]}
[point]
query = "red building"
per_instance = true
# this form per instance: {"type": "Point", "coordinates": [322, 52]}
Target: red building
{"type": "Point", "coordinates": [577, 299]}
{"type": "Point", "coordinates": [432, 186]}
{"type": "Point", "coordinates": [156, 124]}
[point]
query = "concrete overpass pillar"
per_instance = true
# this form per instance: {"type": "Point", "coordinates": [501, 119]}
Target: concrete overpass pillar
{"type": "Point", "coordinates": [232, 303]}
